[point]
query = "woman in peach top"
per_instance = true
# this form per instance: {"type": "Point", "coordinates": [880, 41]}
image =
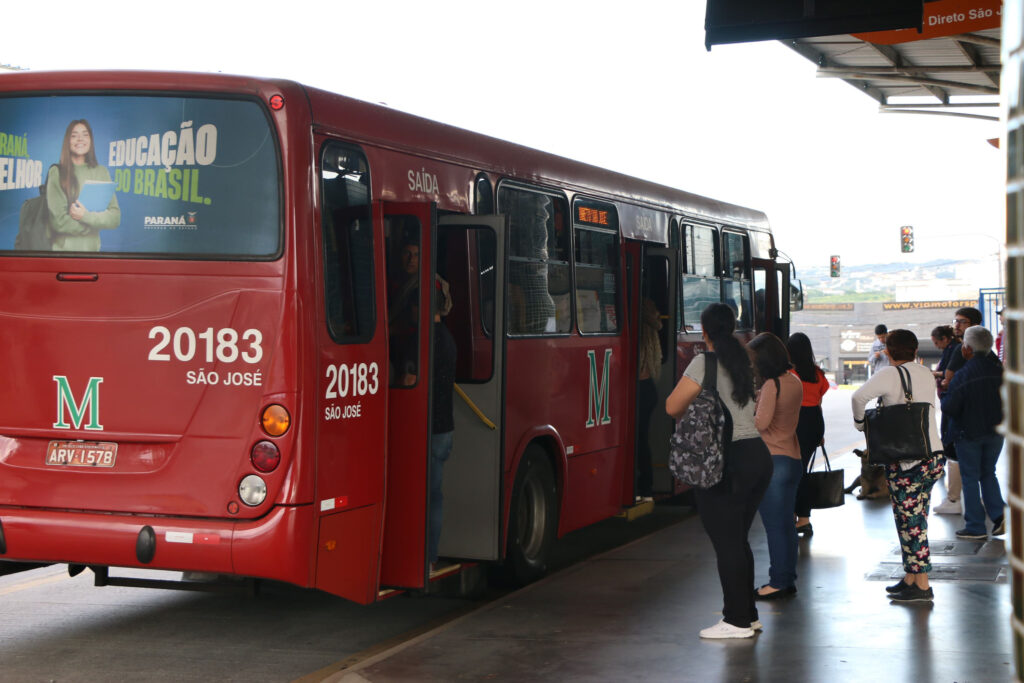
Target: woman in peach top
{"type": "Point", "coordinates": [776, 417]}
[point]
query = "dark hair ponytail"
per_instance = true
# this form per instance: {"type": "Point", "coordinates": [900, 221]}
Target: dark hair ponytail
{"type": "Point", "coordinates": [802, 356]}
{"type": "Point", "coordinates": [719, 324]}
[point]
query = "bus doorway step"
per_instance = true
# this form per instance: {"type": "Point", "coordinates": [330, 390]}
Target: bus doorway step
{"type": "Point", "coordinates": [638, 510]}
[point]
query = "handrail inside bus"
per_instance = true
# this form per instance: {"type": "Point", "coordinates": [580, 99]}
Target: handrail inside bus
{"type": "Point", "coordinates": [472, 406]}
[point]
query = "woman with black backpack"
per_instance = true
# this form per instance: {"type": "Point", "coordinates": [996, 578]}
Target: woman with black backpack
{"type": "Point", "coordinates": [727, 509]}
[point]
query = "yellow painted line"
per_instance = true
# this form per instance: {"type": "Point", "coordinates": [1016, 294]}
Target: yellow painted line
{"type": "Point", "coordinates": [34, 583]}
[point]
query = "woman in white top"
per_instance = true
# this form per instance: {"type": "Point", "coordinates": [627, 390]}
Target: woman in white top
{"type": "Point", "coordinates": [910, 483]}
{"type": "Point", "coordinates": [727, 509]}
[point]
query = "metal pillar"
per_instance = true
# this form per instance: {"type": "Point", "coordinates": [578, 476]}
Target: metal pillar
{"type": "Point", "coordinates": [1013, 387]}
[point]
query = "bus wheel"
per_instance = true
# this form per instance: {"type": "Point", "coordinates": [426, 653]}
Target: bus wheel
{"type": "Point", "coordinates": [533, 520]}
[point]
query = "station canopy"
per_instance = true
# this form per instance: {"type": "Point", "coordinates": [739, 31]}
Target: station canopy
{"type": "Point", "coordinates": [950, 65]}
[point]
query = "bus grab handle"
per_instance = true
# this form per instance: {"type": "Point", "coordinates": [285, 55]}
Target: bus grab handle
{"type": "Point", "coordinates": [472, 406]}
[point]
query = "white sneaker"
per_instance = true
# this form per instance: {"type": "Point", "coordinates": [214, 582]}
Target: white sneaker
{"type": "Point", "coordinates": [756, 625]}
{"type": "Point", "coordinates": [724, 630]}
{"type": "Point", "coordinates": [949, 507]}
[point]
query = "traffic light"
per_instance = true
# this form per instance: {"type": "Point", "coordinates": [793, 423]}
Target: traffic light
{"type": "Point", "coordinates": [834, 266]}
{"type": "Point", "coordinates": [907, 239]}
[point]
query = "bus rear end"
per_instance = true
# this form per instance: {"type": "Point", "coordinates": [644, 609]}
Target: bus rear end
{"type": "Point", "coordinates": [147, 330]}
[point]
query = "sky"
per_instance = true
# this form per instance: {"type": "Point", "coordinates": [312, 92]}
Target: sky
{"type": "Point", "coordinates": [625, 86]}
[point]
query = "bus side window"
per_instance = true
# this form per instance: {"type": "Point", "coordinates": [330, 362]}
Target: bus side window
{"type": "Point", "coordinates": [348, 244]}
{"type": "Point", "coordinates": [736, 290]}
{"type": "Point", "coordinates": [700, 273]}
{"type": "Point", "coordinates": [597, 266]}
{"type": "Point", "coordinates": [538, 268]}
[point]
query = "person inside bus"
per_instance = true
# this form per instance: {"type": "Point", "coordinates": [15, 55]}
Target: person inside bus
{"type": "Point", "coordinates": [403, 316]}
{"type": "Point", "coordinates": [727, 509]}
{"type": "Point", "coordinates": [442, 428]}
{"type": "Point", "coordinates": [75, 228]}
{"type": "Point", "coordinates": [776, 417]}
{"type": "Point", "coordinates": [647, 396]}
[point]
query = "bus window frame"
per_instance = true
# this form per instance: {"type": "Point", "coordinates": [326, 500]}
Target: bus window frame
{"type": "Point", "coordinates": [686, 243]}
{"type": "Point", "coordinates": [617, 234]}
{"type": "Point", "coordinates": [556, 195]}
{"type": "Point", "coordinates": [319, 203]}
{"type": "Point", "coordinates": [726, 278]}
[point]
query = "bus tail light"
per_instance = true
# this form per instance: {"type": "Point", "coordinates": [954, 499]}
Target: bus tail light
{"type": "Point", "coordinates": [275, 419]}
{"type": "Point", "coordinates": [265, 456]}
{"type": "Point", "coordinates": [252, 490]}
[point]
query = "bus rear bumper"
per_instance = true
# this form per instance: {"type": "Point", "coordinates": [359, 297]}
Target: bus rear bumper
{"type": "Point", "coordinates": [273, 547]}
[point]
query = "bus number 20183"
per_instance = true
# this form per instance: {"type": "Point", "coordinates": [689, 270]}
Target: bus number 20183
{"type": "Point", "coordinates": [222, 344]}
{"type": "Point", "coordinates": [358, 379]}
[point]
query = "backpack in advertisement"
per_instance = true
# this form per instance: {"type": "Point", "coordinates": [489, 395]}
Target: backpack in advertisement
{"type": "Point", "coordinates": [34, 232]}
{"type": "Point", "coordinates": [696, 454]}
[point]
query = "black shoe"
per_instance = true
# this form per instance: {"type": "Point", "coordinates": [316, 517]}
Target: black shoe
{"type": "Point", "coordinates": [999, 526]}
{"type": "Point", "coordinates": [913, 594]}
{"type": "Point", "coordinates": [805, 529]}
{"type": "Point", "coordinates": [776, 595]}
{"type": "Point", "coordinates": [970, 536]}
{"type": "Point", "coordinates": [898, 587]}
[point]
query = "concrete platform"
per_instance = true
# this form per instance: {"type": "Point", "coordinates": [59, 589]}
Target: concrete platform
{"type": "Point", "coordinates": [633, 614]}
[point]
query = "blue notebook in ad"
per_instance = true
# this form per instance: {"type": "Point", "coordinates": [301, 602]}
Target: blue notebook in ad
{"type": "Point", "coordinates": [95, 195]}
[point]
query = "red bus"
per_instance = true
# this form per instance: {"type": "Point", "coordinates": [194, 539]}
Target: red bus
{"type": "Point", "coordinates": [200, 351]}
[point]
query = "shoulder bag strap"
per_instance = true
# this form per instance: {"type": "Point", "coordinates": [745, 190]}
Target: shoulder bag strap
{"type": "Point", "coordinates": [905, 383]}
{"type": "Point", "coordinates": [710, 372]}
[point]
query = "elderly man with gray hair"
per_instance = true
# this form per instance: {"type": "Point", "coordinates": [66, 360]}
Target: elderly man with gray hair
{"type": "Point", "coordinates": [975, 407]}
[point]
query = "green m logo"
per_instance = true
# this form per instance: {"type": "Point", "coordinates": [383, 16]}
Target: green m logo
{"type": "Point", "coordinates": [597, 401]}
{"type": "Point", "coordinates": [77, 411]}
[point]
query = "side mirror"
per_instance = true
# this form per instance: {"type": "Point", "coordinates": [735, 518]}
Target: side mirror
{"type": "Point", "coordinates": [796, 295]}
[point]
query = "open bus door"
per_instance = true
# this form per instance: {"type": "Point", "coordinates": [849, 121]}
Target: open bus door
{"type": "Point", "coordinates": [771, 308]}
{"type": "Point", "coordinates": [660, 276]}
{"type": "Point", "coordinates": [467, 252]}
{"type": "Point", "coordinates": [409, 248]}
{"type": "Point", "coordinates": [470, 256]}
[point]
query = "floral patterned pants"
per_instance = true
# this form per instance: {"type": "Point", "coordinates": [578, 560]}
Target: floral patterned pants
{"type": "Point", "coordinates": [910, 492]}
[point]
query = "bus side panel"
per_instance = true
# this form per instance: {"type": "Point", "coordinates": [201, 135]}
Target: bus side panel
{"type": "Point", "coordinates": [594, 488]}
{"type": "Point", "coordinates": [337, 571]}
{"type": "Point", "coordinates": [577, 386]}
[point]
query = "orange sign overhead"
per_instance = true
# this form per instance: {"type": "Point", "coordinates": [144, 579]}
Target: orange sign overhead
{"type": "Point", "coordinates": [944, 18]}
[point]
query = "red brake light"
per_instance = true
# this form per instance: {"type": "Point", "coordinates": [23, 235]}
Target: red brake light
{"type": "Point", "coordinates": [265, 456]}
{"type": "Point", "coordinates": [276, 102]}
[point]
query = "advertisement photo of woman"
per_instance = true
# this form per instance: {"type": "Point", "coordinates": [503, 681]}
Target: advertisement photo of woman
{"type": "Point", "coordinates": [75, 223]}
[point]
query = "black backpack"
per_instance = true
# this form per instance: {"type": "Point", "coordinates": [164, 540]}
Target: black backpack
{"type": "Point", "coordinates": [34, 232]}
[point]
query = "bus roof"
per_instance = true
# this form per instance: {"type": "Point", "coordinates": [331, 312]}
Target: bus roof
{"type": "Point", "coordinates": [381, 125]}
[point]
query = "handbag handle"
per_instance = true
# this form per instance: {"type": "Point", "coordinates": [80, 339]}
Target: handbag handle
{"type": "Point", "coordinates": [905, 383]}
{"type": "Point", "coordinates": [810, 463]}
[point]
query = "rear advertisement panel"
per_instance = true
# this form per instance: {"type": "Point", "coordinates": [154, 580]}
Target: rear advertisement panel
{"type": "Point", "coordinates": [138, 175]}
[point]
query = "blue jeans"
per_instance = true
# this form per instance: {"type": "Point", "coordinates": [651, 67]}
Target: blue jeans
{"type": "Point", "coordinates": [777, 516]}
{"type": "Point", "coordinates": [978, 472]}
{"type": "Point", "coordinates": [440, 449]}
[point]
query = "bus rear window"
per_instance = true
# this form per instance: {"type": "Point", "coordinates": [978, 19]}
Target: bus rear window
{"type": "Point", "coordinates": [138, 176]}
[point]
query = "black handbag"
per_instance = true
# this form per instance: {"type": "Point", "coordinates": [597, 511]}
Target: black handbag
{"type": "Point", "coordinates": [900, 432]}
{"type": "Point", "coordinates": [823, 489]}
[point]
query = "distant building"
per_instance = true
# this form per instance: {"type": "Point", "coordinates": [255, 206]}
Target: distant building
{"type": "Point", "coordinates": [841, 334]}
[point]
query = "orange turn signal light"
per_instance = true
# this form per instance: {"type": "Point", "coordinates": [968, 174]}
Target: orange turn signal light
{"type": "Point", "coordinates": [276, 419]}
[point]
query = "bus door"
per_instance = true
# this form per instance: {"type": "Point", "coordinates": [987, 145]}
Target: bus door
{"type": "Point", "coordinates": [658, 289]}
{"type": "Point", "coordinates": [470, 256]}
{"type": "Point", "coordinates": [351, 381]}
{"type": "Point", "coordinates": [768, 309]}
{"type": "Point", "coordinates": [408, 243]}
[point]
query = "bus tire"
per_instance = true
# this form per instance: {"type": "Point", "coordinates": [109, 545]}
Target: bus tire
{"type": "Point", "coordinates": [533, 518]}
